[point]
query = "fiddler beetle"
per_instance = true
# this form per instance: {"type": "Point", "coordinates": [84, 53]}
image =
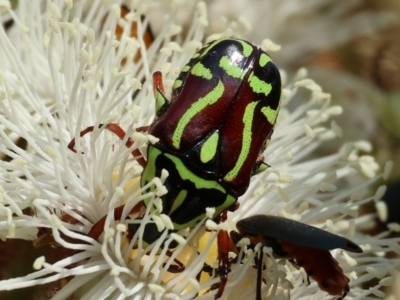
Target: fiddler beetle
{"type": "Point", "coordinates": [306, 246]}
{"type": "Point", "coordinates": [211, 136]}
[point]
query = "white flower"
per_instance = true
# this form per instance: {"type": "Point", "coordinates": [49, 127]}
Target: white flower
{"type": "Point", "coordinates": [62, 69]}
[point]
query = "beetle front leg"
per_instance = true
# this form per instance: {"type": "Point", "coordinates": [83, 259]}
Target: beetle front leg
{"type": "Point", "coordinates": [98, 228]}
{"type": "Point", "coordinates": [260, 165]}
{"type": "Point", "coordinates": [162, 103]}
{"type": "Point", "coordinates": [224, 265]}
{"type": "Point", "coordinates": [118, 131]}
{"type": "Point", "coordinates": [178, 268]}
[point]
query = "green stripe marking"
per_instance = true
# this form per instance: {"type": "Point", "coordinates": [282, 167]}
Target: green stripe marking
{"type": "Point", "coordinates": [264, 59]}
{"type": "Point", "coordinates": [259, 86]}
{"type": "Point", "coordinates": [201, 71]}
{"type": "Point", "coordinates": [194, 109]}
{"type": "Point", "coordinates": [160, 100]}
{"type": "Point", "coordinates": [209, 148]}
{"type": "Point", "coordinates": [186, 174]}
{"type": "Point", "coordinates": [178, 200]}
{"type": "Point", "coordinates": [246, 141]}
{"type": "Point", "coordinates": [261, 168]}
{"type": "Point", "coordinates": [247, 48]}
{"type": "Point", "coordinates": [267, 143]}
{"type": "Point", "coordinates": [229, 201]}
{"type": "Point", "coordinates": [211, 46]}
{"type": "Point", "coordinates": [200, 183]}
{"type": "Point", "coordinates": [149, 171]}
{"type": "Point", "coordinates": [185, 68]}
{"type": "Point", "coordinates": [270, 114]}
{"type": "Point", "coordinates": [177, 84]}
{"type": "Point", "coordinates": [231, 69]}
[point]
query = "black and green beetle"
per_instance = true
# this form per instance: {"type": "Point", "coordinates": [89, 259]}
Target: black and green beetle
{"type": "Point", "coordinates": [212, 134]}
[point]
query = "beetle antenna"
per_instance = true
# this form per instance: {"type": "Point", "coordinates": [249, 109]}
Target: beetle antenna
{"type": "Point", "coordinates": [259, 274]}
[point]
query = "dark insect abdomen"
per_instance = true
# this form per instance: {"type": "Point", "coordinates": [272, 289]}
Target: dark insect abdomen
{"type": "Point", "coordinates": [320, 266]}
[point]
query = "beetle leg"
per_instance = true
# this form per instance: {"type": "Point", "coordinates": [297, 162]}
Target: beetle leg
{"type": "Point", "coordinates": [132, 229]}
{"type": "Point", "coordinates": [98, 228]}
{"type": "Point", "coordinates": [158, 86]}
{"type": "Point", "coordinates": [231, 208]}
{"type": "Point", "coordinates": [223, 261]}
{"type": "Point", "coordinates": [260, 165]}
{"type": "Point", "coordinates": [344, 293]}
{"type": "Point", "coordinates": [117, 130]}
{"type": "Point", "coordinates": [142, 129]}
{"type": "Point", "coordinates": [259, 275]}
{"type": "Point", "coordinates": [223, 252]}
{"type": "Point", "coordinates": [207, 269]}
{"type": "Point", "coordinates": [71, 145]}
{"type": "Point", "coordinates": [162, 103]}
{"type": "Point", "coordinates": [178, 268]}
